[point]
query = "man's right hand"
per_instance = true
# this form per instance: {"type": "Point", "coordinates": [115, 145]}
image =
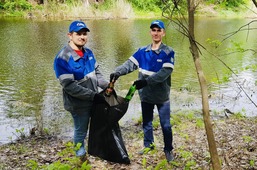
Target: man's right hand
{"type": "Point", "coordinates": [114, 76]}
{"type": "Point", "coordinates": [98, 98]}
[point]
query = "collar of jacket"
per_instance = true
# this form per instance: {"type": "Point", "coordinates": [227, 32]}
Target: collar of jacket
{"type": "Point", "coordinates": [149, 48]}
{"type": "Point", "coordinates": [74, 55]}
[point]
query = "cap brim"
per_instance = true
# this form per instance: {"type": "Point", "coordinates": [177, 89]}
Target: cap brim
{"type": "Point", "coordinates": [80, 28]}
{"type": "Point", "coordinates": [156, 25]}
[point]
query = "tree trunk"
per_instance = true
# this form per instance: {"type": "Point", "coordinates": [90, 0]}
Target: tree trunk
{"type": "Point", "coordinates": [205, 102]}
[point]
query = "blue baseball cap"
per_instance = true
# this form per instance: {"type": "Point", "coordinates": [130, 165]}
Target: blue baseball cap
{"type": "Point", "coordinates": [157, 23]}
{"type": "Point", "coordinates": [75, 26]}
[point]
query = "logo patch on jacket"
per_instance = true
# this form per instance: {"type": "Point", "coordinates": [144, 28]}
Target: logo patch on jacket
{"type": "Point", "coordinates": [159, 60]}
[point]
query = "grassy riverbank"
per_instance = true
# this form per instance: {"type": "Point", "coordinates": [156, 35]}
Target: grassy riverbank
{"type": "Point", "coordinates": [236, 143]}
{"type": "Point", "coordinates": [120, 9]}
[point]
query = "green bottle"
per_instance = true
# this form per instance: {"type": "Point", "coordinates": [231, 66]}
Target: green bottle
{"type": "Point", "coordinates": [130, 93]}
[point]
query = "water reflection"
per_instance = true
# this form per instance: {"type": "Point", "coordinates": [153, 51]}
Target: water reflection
{"type": "Point", "coordinates": [30, 95]}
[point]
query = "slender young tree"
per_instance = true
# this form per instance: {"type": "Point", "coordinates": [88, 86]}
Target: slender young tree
{"type": "Point", "coordinates": [188, 31]}
{"type": "Point", "coordinates": [202, 81]}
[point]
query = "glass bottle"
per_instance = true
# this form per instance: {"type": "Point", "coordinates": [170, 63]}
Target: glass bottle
{"type": "Point", "coordinates": [109, 89]}
{"type": "Point", "coordinates": [130, 93]}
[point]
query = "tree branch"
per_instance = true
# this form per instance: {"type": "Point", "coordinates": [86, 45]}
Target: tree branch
{"type": "Point", "coordinates": [255, 3]}
{"type": "Point", "coordinates": [242, 28]}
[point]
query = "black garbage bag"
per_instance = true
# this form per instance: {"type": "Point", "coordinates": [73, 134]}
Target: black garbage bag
{"type": "Point", "coordinates": [105, 139]}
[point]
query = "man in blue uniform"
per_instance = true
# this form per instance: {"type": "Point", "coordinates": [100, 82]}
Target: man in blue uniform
{"type": "Point", "coordinates": [155, 63]}
{"type": "Point", "coordinates": [79, 75]}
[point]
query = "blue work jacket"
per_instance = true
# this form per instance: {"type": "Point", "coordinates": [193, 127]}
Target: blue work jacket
{"type": "Point", "coordinates": [154, 66]}
{"type": "Point", "coordinates": [80, 78]}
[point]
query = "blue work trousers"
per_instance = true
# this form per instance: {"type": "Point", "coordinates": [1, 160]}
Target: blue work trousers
{"type": "Point", "coordinates": [164, 115]}
{"type": "Point", "coordinates": [81, 121]}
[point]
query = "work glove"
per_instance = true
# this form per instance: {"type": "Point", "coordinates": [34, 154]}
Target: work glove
{"type": "Point", "coordinates": [140, 84]}
{"type": "Point", "coordinates": [114, 76]}
{"type": "Point", "coordinates": [98, 98]}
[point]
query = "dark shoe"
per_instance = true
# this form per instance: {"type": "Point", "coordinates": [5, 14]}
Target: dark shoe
{"type": "Point", "coordinates": [169, 156]}
{"type": "Point", "coordinates": [83, 158]}
{"type": "Point", "coordinates": [126, 161]}
{"type": "Point", "coordinates": [145, 150]}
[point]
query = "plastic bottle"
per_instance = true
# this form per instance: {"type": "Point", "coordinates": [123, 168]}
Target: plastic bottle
{"type": "Point", "coordinates": [130, 93]}
{"type": "Point", "coordinates": [109, 89]}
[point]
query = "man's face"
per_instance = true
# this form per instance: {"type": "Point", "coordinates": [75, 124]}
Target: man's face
{"type": "Point", "coordinates": [78, 38]}
{"type": "Point", "coordinates": [157, 34]}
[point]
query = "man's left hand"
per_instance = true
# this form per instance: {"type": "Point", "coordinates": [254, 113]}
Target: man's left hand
{"type": "Point", "coordinates": [140, 84]}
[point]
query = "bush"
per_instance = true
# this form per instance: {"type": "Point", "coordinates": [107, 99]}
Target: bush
{"type": "Point", "coordinates": [146, 5]}
{"type": "Point", "coordinates": [228, 3]}
{"type": "Point", "coordinates": [16, 5]}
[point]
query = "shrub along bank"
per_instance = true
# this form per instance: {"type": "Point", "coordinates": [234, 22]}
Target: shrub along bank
{"type": "Point", "coordinates": [58, 10]}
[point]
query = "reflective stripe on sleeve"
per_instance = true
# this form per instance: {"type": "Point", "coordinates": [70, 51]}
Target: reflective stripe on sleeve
{"type": "Point", "coordinates": [168, 65]}
{"type": "Point", "coordinates": [146, 72]}
{"type": "Point", "coordinates": [134, 60]}
{"type": "Point", "coordinates": [88, 76]}
{"type": "Point", "coordinates": [66, 76]}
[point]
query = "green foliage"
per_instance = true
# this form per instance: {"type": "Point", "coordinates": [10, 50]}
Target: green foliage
{"type": "Point", "coordinates": [238, 115]}
{"type": "Point", "coordinates": [108, 4]}
{"type": "Point", "coordinates": [177, 119]}
{"type": "Point", "coordinates": [59, 165]}
{"type": "Point", "coordinates": [253, 68]}
{"type": "Point", "coordinates": [144, 162]}
{"type": "Point", "coordinates": [190, 116]}
{"type": "Point", "coordinates": [184, 135]}
{"type": "Point", "coordinates": [247, 139]}
{"type": "Point", "coordinates": [162, 165]}
{"type": "Point", "coordinates": [214, 43]}
{"type": "Point", "coordinates": [236, 46]}
{"type": "Point", "coordinates": [156, 123]}
{"type": "Point", "coordinates": [19, 149]}
{"type": "Point", "coordinates": [22, 149]}
{"type": "Point", "coordinates": [85, 166]}
{"type": "Point", "coordinates": [251, 163]}
{"type": "Point", "coordinates": [227, 3]}
{"type": "Point", "coordinates": [199, 123]}
{"type": "Point", "coordinates": [185, 154]}
{"type": "Point", "coordinates": [1, 7]}
{"type": "Point", "coordinates": [140, 120]}
{"type": "Point", "coordinates": [232, 3]}
{"type": "Point", "coordinates": [225, 78]}
{"type": "Point", "coordinates": [67, 162]}
{"type": "Point", "coordinates": [186, 87]}
{"type": "Point", "coordinates": [46, 131]}
{"type": "Point", "coordinates": [146, 5]}
{"type": "Point", "coordinates": [16, 5]}
{"type": "Point", "coordinates": [20, 134]}
{"type": "Point", "coordinates": [77, 147]}
{"type": "Point", "coordinates": [70, 2]}
{"type": "Point", "coordinates": [32, 164]}
{"type": "Point", "coordinates": [190, 164]}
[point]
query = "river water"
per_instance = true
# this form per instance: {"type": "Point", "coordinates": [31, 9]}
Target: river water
{"type": "Point", "coordinates": [30, 95]}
